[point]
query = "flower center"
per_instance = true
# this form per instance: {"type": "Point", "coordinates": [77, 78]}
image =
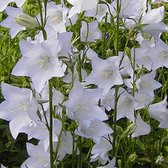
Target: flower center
{"type": "Point", "coordinates": [127, 102]}
{"type": "Point", "coordinates": [23, 106]}
{"type": "Point", "coordinates": [44, 62]}
{"type": "Point", "coordinates": [82, 108]}
{"type": "Point", "coordinates": [57, 17]}
{"type": "Point", "coordinates": [107, 74]}
{"type": "Point", "coordinates": [145, 84]}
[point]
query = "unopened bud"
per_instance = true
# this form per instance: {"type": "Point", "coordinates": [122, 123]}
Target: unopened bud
{"type": "Point", "coordinates": [26, 21]}
{"type": "Point", "coordinates": [109, 53]}
{"type": "Point", "coordinates": [129, 130]}
{"type": "Point", "coordinates": [132, 157]}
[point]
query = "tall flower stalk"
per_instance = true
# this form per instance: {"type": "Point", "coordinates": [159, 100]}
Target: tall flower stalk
{"type": "Point", "coordinates": [51, 123]}
{"type": "Point", "coordinates": [50, 85]}
{"type": "Point", "coordinates": [116, 87]}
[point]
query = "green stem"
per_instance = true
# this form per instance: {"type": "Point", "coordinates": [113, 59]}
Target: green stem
{"type": "Point", "coordinates": [116, 87]}
{"type": "Point", "coordinates": [41, 13]}
{"type": "Point", "coordinates": [45, 12]}
{"type": "Point", "coordinates": [80, 155]}
{"type": "Point", "coordinates": [117, 28]}
{"type": "Point", "coordinates": [115, 120]}
{"type": "Point", "coordinates": [104, 40]}
{"type": "Point", "coordinates": [51, 124]}
{"type": "Point", "coordinates": [59, 141]}
{"type": "Point", "coordinates": [43, 20]}
{"type": "Point", "coordinates": [79, 70]}
{"type": "Point", "coordinates": [47, 124]}
{"type": "Point", "coordinates": [73, 151]}
{"type": "Point", "coordinates": [134, 77]}
{"type": "Point", "coordinates": [117, 147]}
{"type": "Point", "coordinates": [123, 55]}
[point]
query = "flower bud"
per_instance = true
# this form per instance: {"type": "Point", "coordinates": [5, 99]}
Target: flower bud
{"type": "Point", "coordinates": [26, 21]}
{"type": "Point", "coordinates": [132, 157]}
{"type": "Point", "coordinates": [159, 159]}
{"type": "Point", "coordinates": [109, 53]}
{"type": "Point", "coordinates": [129, 130]}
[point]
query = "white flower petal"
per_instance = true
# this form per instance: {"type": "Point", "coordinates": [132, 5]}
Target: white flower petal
{"type": "Point", "coordinates": [142, 128]}
{"type": "Point", "coordinates": [4, 4]}
{"type": "Point", "coordinates": [18, 123]}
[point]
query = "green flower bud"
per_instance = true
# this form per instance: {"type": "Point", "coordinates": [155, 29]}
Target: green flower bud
{"type": "Point", "coordinates": [109, 53]}
{"type": "Point", "coordinates": [119, 163]}
{"type": "Point", "coordinates": [129, 130]}
{"type": "Point", "coordinates": [26, 21]}
{"type": "Point", "coordinates": [132, 157]}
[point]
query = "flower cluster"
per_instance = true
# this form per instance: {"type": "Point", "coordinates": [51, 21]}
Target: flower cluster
{"type": "Point", "coordinates": [119, 85]}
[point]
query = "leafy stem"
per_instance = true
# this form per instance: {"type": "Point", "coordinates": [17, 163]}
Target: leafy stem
{"type": "Point", "coordinates": [116, 87]}
{"type": "Point", "coordinates": [51, 123]}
